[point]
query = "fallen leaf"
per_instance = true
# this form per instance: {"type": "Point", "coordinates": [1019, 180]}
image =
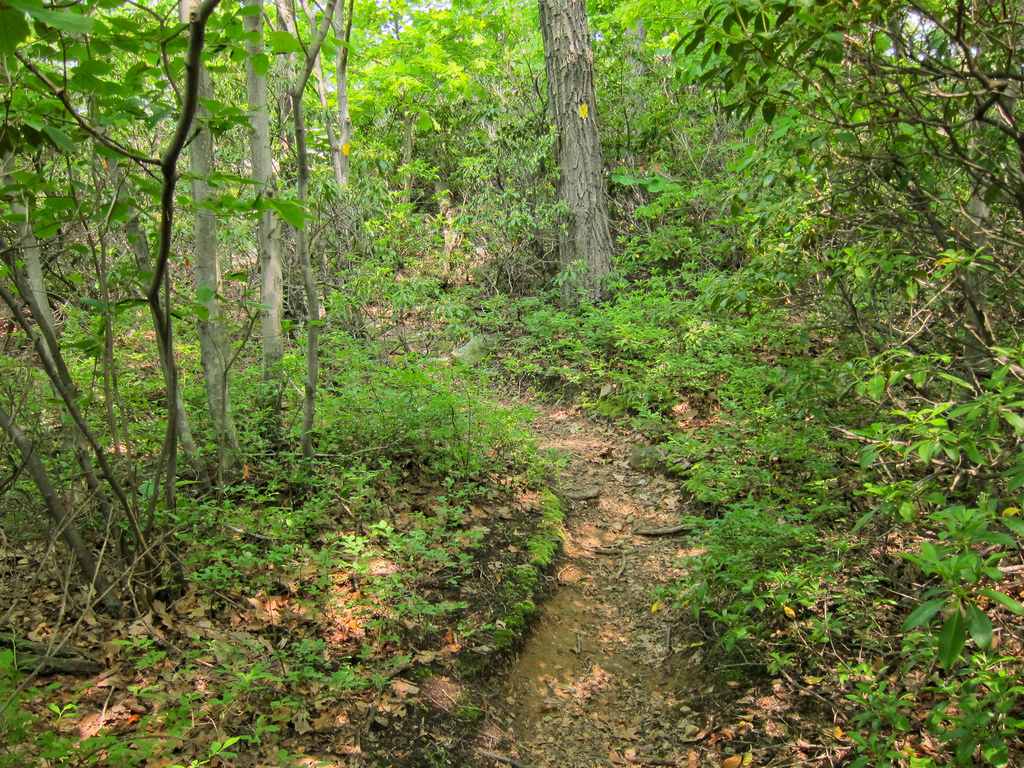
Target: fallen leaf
{"type": "Point", "coordinates": [732, 762]}
{"type": "Point", "coordinates": [300, 723]}
{"type": "Point", "coordinates": [402, 688]}
{"type": "Point", "coordinates": [789, 611]}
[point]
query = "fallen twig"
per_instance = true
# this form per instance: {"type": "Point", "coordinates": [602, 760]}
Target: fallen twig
{"type": "Point", "coordinates": [663, 531]}
{"type": "Point", "coordinates": [622, 566]}
{"type": "Point", "coordinates": [590, 493]}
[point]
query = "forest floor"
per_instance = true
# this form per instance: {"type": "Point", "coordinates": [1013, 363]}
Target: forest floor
{"type": "Point", "coordinates": [610, 676]}
{"type": "Point", "coordinates": [606, 674]}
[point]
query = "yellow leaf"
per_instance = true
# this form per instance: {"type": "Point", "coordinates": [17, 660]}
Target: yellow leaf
{"type": "Point", "coordinates": [1010, 511]}
{"type": "Point", "coordinates": [789, 611]}
{"type": "Point", "coordinates": [813, 680]}
{"type": "Point", "coordinates": [748, 758]}
{"type": "Point", "coordinates": [656, 606]}
{"type": "Point", "coordinates": [837, 733]}
{"type": "Point", "coordinates": [346, 149]}
{"type": "Point", "coordinates": [732, 762]}
{"type": "Point", "coordinates": [583, 111]}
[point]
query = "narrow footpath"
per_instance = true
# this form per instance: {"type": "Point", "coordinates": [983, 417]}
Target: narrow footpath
{"type": "Point", "coordinates": [604, 678]}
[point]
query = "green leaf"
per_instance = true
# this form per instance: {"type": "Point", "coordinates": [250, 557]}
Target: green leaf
{"type": "Point", "coordinates": [59, 138]}
{"type": "Point", "coordinates": [1015, 524]}
{"type": "Point", "coordinates": [924, 613]}
{"type": "Point", "coordinates": [290, 211]}
{"type": "Point", "coordinates": [261, 64]}
{"type": "Point", "coordinates": [952, 639]}
{"type": "Point", "coordinates": [205, 294]}
{"type": "Point", "coordinates": [64, 20]}
{"type": "Point", "coordinates": [768, 111]}
{"type": "Point", "coordinates": [996, 752]}
{"type": "Point", "coordinates": [980, 626]}
{"type": "Point", "coordinates": [203, 313]}
{"type": "Point", "coordinates": [927, 449]}
{"type": "Point", "coordinates": [282, 42]}
{"type": "Point", "coordinates": [1015, 421]}
{"type": "Point", "coordinates": [868, 458]}
{"type": "Point", "coordinates": [876, 386]}
{"type": "Point", "coordinates": [13, 29]}
{"type": "Point", "coordinates": [1004, 600]}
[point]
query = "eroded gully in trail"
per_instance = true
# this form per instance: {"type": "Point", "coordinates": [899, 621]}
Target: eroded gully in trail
{"type": "Point", "coordinates": [601, 680]}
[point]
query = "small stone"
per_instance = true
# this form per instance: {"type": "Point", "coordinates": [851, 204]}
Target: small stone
{"type": "Point", "coordinates": [475, 350]}
{"type": "Point", "coordinates": [647, 457]}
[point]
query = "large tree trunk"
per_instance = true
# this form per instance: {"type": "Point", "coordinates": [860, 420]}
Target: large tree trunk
{"type": "Point", "coordinates": [269, 241]}
{"type": "Point", "coordinates": [214, 343]}
{"type": "Point", "coordinates": [585, 243]}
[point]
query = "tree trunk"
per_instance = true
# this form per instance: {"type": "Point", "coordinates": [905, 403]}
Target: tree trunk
{"type": "Point", "coordinates": [269, 241]}
{"type": "Point", "coordinates": [143, 259]}
{"type": "Point", "coordinates": [585, 244]}
{"type": "Point", "coordinates": [214, 343]}
{"type": "Point", "coordinates": [344, 120]}
{"type": "Point", "coordinates": [86, 561]}
{"type": "Point", "coordinates": [301, 242]}
{"type": "Point", "coordinates": [321, 90]}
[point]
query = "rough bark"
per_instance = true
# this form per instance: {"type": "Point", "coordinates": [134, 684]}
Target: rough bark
{"type": "Point", "coordinates": [269, 242]}
{"type": "Point", "coordinates": [585, 244]}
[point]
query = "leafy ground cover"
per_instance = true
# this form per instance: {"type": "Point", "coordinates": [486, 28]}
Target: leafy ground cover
{"type": "Point", "coordinates": [826, 560]}
{"type": "Point", "coordinates": [341, 613]}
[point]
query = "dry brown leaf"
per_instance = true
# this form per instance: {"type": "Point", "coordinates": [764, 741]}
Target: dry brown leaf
{"type": "Point", "coordinates": [402, 688]}
{"type": "Point", "coordinates": [732, 762]}
{"type": "Point", "coordinates": [301, 723]}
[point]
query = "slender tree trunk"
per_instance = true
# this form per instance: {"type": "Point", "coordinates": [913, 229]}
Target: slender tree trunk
{"type": "Point", "coordinates": [143, 258]}
{"type": "Point", "coordinates": [160, 282]}
{"type": "Point", "coordinates": [301, 242]}
{"type": "Point", "coordinates": [271, 276]}
{"type": "Point", "coordinates": [33, 268]}
{"type": "Point", "coordinates": [321, 90]}
{"type": "Point", "coordinates": [407, 137]}
{"type": "Point", "coordinates": [214, 342]}
{"type": "Point", "coordinates": [585, 244]}
{"type": "Point", "coordinates": [344, 120]}
{"type": "Point", "coordinates": [54, 506]}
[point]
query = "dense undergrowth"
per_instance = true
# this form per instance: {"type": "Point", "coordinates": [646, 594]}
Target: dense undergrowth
{"type": "Point", "coordinates": [836, 546]}
{"type": "Point", "coordinates": [809, 316]}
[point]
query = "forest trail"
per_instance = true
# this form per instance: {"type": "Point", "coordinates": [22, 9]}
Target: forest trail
{"type": "Point", "coordinates": [603, 679]}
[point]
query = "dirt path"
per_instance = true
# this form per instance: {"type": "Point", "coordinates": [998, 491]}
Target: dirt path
{"type": "Point", "coordinates": [601, 680]}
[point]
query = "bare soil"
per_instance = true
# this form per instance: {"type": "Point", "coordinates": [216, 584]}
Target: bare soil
{"type": "Point", "coordinates": [605, 677]}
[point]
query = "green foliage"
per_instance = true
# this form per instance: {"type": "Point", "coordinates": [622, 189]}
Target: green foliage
{"type": "Point", "coordinates": [547, 542]}
{"type": "Point", "coordinates": [432, 413]}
